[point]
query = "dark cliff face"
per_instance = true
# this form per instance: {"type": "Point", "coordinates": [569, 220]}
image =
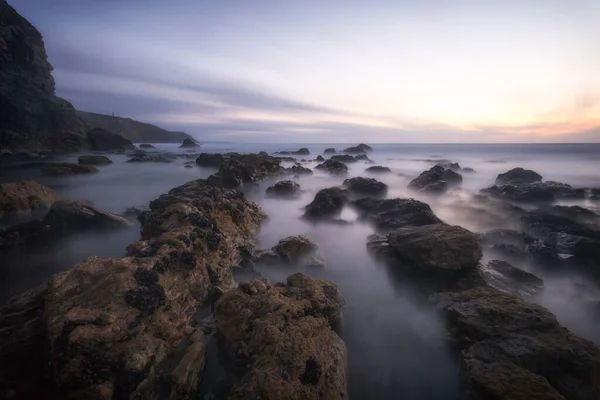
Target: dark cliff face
{"type": "Point", "coordinates": [31, 116]}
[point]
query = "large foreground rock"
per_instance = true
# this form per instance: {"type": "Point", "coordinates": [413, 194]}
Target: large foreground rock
{"type": "Point", "coordinates": [283, 335]}
{"type": "Point", "coordinates": [327, 203]}
{"type": "Point", "coordinates": [25, 196]}
{"type": "Point", "coordinates": [518, 176]}
{"type": "Point", "coordinates": [390, 214]}
{"type": "Point", "coordinates": [436, 180]}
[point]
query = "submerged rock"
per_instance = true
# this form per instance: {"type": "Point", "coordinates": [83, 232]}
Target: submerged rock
{"type": "Point", "coordinates": [188, 142]}
{"type": "Point", "coordinates": [346, 158]}
{"type": "Point", "coordinates": [327, 203]}
{"type": "Point", "coordinates": [299, 170]}
{"type": "Point", "coordinates": [436, 180]}
{"type": "Point", "coordinates": [94, 160]}
{"type": "Point", "coordinates": [239, 169]}
{"type": "Point", "coordinates": [209, 160]}
{"type": "Point", "coordinates": [334, 167]}
{"type": "Point", "coordinates": [390, 214]}
{"type": "Point", "coordinates": [103, 140]}
{"type": "Point", "coordinates": [25, 196]}
{"type": "Point", "coordinates": [361, 148]}
{"type": "Point", "coordinates": [284, 336]}
{"type": "Point", "coordinates": [55, 169]}
{"type": "Point", "coordinates": [284, 188]}
{"type": "Point", "coordinates": [376, 169]}
{"type": "Point", "coordinates": [146, 146]}
{"type": "Point", "coordinates": [366, 186]}
{"type": "Point", "coordinates": [518, 176]}
{"type": "Point", "coordinates": [329, 150]}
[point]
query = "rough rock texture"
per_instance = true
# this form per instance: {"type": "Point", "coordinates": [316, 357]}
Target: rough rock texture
{"type": "Point", "coordinates": [283, 337]}
{"type": "Point", "coordinates": [327, 203]}
{"type": "Point", "coordinates": [119, 326]}
{"type": "Point", "coordinates": [376, 169]}
{"type": "Point", "coordinates": [299, 170]}
{"type": "Point", "coordinates": [103, 140]}
{"type": "Point", "coordinates": [536, 192]}
{"type": "Point", "coordinates": [334, 167]}
{"type": "Point", "coordinates": [516, 350]}
{"type": "Point", "coordinates": [390, 214]}
{"type": "Point", "coordinates": [517, 176]}
{"type": "Point", "coordinates": [366, 186]}
{"type": "Point", "coordinates": [508, 278]}
{"type": "Point", "coordinates": [209, 160]}
{"type": "Point", "coordinates": [94, 160]}
{"type": "Point", "coordinates": [55, 169]}
{"type": "Point", "coordinates": [361, 148]}
{"type": "Point", "coordinates": [295, 249]}
{"type": "Point", "coordinates": [238, 169]}
{"type": "Point", "coordinates": [346, 158]}
{"type": "Point", "coordinates": [436, 180]}
{"type": "Point", "coordinates": [189, 142]}
{"type": "Point", "coordinates": [329, 150]}
{"type": "Point", "coordinates": [25, 196]}
{"type": "Point", "coordinates": [284, 188]}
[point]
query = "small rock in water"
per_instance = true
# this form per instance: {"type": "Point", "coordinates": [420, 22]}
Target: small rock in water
{"type": "Point", "coordinates": [284, 188]}
{"type": "Point", "coordinates": [376, 169]}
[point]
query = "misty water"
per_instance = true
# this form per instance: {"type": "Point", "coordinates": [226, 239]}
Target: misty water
{"type": "Point", "coordinates": [394, 339]}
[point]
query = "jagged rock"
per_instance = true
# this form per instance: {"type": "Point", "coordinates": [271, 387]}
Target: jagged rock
{"type": "Point", "coordinates": [103, 140]}
{"type": "Point", "coordinates": [238, 169]}
{"type": "Point", "coordinates": [508, 278]}
{"type": "Point", "coordinates": [284, 335]}
{"type": "Point", "coordinates": [68, 169]}
{"type": "Point", "coordinates": [327, 203]}
{"type": "Point", "coordinates": [329, 150]}
{"type": "Point", "coordinates": [284, 188]}
{"type": "Point", "coordinates": [346, 158]}
{"type": "Point", "coordinates": [361, 148]}
{"type": "Point", "coordinates": [159, 158]}
{"type": "Point", "coordinates": [209, 160]}
{"type": "Point", "coordinates": [366, 186]}
{"type": "Point", "coordinates": [517, 176]}
{"type": "Point", "coordinates": [376, 169]}
{"type": "Point", "coordinates": [146, 146]}
{"type": "Point", "coordinates": [333, 167]}
{"type": "Point", "coordinates": [436, 180]}
{"type": "Point", "coordinates": [299, 170]}
{"type": "Point", "coordinates": [94, 160]}
{"type": "Point", "coordinates": [396, 213]}
{"type": "Point", "coordinates": [25, 196]}
{"type": "Point", "coordinates": [187, 142]}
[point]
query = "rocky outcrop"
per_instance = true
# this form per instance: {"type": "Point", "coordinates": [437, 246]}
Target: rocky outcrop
{"type": "Point", "coordinates": [209, 160]}
{"type": "Point", "coordinates": [518, 176]}
{"type": "Point", "coordinates": [103, 140]}
{"type": "Point", "coordinates": [345, 158]}
{"type": "Point", "coordinates": [329, 150]}
{"type": "Point", "coordinates": [450, 165]}
{"type": "Point", "coordinates": [189, 142]}
{"type": "Point", "coordinates": [391, 214]}
{"type": "Point", "coordinates": [361, 148]}
{"type": "Point", "coordinates": [140, 157]}
{"type": "Point", "coordinates": [327, 203]}
{"type": "Point", "coordinates": [334, 167]}
{"type": "Point", "coordinates": [376, 169]}
{"type": "Point", "coordinates": [239, 169]}
{"type": "Point", "coordinates": [283, 336]}
{"type": "Point", "coordinates": [508, 278]}
{"type": "Point", "coordinates": [295, 251]}
{"type": "Point", "coordinates": [25, 196]}
{"type": "Point", "coordinates": [299, 170]}
{"type": "Point", "coordinates": [94, 160]}
{"type": "Point", "coordinates": [55, 169]}
{"type": "Point", "coordinates": [537, 192]}
{"type": "Point", "coordinates": [366, 186]}
{"type": "Point", "coordinates": [436, 180]}
{"type": "Point", "coordinates": [284, 188]}
{"type": "Point", "coordinates": [146, 146]}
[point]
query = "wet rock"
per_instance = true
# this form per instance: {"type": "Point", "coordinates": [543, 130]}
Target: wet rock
{"type": "Point", "coordinates": [366, 186]}
{"type": "Point", "coordinates": [319, 159]}
{"type": "Point", "coordinates": [239, 169]}
{"type": "Point", "coordinates": [146, 146]}
{"type": "Point", "coordinates": [541, 225]}
{"type": "Point", "coordinates": [102, 140]}
{"type": "Point", "coordinates": [361, 148]}
{"type": "Point", "coordinates": [159, 158]}
{"type": "Point", "coordinates": [518, 176]}
{"type": "Point", "coordinates": [327, 203]}
{"type": "Point", "coordinates": [436, 180]}
{"type": "Point", "coordinates": [329, 150]}
{"type": "Point", "coordinates": [187, 142]}
{"type": "Point", "coordinates": [508, 278]}
{"type": "Point", "coordinates": [376, 169]}
{"type": "Point", "coordinates": [468, 170]}
{"type": "Point", "coordinates": [390, 214]}
{"type": "Point", "coordinates": [576, 213]}
{"type": "Point", "coordinates": [284, 335]}
{"type": "Point", "coordinates": [333, 167]}
{"type": "Point", "coordinates": [284, 188]}
{"type": "Point", "coordinates": [346, 158]}
{"type": "Point", "coordinates": [299, 170]}
{"type": "Point", "coordinates": [295, 250]}
{"type": "Point", "coordinates": [55, 169]}
{"type": "Point", "coordinates": [209, 160]}
{"type": "Point", "coordinates": [94, 160]}
{"type": "Point", "coordinates": [25, 196]}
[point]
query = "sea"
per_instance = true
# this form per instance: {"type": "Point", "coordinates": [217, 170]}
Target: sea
{"type": "Point", "coordinates": [395, 341]}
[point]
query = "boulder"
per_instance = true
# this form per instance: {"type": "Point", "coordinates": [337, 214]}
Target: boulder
{"type": "Point", "coordinates": [362, 157]}
{"type": "Point", "coordinates": [436, 180]}
{"type": "Point", "coordinates": [299, 170]}
{"type": "Point", "coordinates": [468, 170]}
{"type": "Point", "coordinates": [319, 159]}
{"type": "Point", "coordinates": [303, 151]}
{"type": "Point", "coordinates": [518, 176]}
{"type": "Point", "coordinates": [283, 334]}
{"type": "Point", "coordinates": [376, 169]}
{"type": "Point", "coordinates": [25, 196]}
{"type": "Point", "coordinates": [187, 143]}
{"type": "Point", "coordinates": [210, 160]}
{"type": "Point", "coordinates": [239, 169]}
{"type": "Point", "coordinates": [334, 167]}
{"type": "Point", "coordinates": [94, 160]}
{"type": "Point", "coordinates": [159, 158]}
{"type": "Point", "coordinates": [146, 146]}
{"type": "Point", "coordinates": [390, 214]}
{"type": "Point", "coordinates": [327, 203]}
{"type": "Point", "coordinates": [449, 165]}
{"type": "Point", "coordinates": [361, 148]}
{"type": "Point", "coordinates": [346, 158]}
{"type": "Point", "coordinates": [284, 188]}
{"type": "Point", "coordinates": [295, 250]}
{"type": "Point", "coordinates": [366, 186]}
{"type": "Point", "coordinates": [537, 192]}
{"type": "Point", "coordinates": [102, 140]}
{"type": "Point", "coordinates": [55, 169]}
{"type": "Point", "coordinates": [329, 150]}
{"type": "Point", "coordinates": [508, 278]}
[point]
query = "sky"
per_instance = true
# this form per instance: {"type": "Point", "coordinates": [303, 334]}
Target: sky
{"type": "Point", "coordinates": [448, 71]}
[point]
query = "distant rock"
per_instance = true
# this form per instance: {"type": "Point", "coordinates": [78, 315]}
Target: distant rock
{"type": "Point", "coordinates": [329, 150]}
{"type": "Point", "coordinates": [301, 152]}
{"type": "Point", "coordinates": [319, 159]}
{"type": "Point", "coordinates": [346, 158]}
{"type": "Point", "coordinates": [536, 192]}
{"type": "Point", "coordinates": [436, 180]}
{"type": "Point", "coordinates": [391, 214]}
{"type": "Point", "coordinates": [361, 148]}
{"type": "Point", "coordinates": [366, 186]}
{"type": "Point", "coordinates": [328, 203]}
{"type": "Point", "coordinates": [284, 188]}
{"type": "Point", "coordinates": [334, 167]}
{"type": "Point", "coordinates": [56, 169]}
{"type": "Point", "coordinates": [299, 170]}
{"type": "Point", "coordinates": [25, 196]}
{"type": "Point", "coordinates": [518, 176]}
{"type": "Point", "coordinates": [209, 160]}
{"type": "Point", "coordinates": [376, 169]}
{"type": "Point", "coordinates": [146, 146]}
{"type": "Point", "coordinates": [362, 157]}
{"type": "Point", "coordinates": [94, 160]}
{"type": "Point", "coordinates": [449, 165]}
{"type": "Point", "coordinates": [189, 142]}
{"type": "Point", "coordinates": [145, 157]}
{"type": "Point", "coordinates": [103, 140]}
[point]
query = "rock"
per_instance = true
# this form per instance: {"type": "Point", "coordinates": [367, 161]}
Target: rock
{"type": "Point", "coordinates": [436, 180]}
{"type": "Point", "coordinates": [541, 225]}
{"type": "Point", "coordinates": [188, 142]}
{"type": "Point", "coordinates": [299, 170]}
{"type": "Point", "coordinates": [376, 169]}
{"type": "Point", "coordinates": [295, 250]}
{"type": "Point", "coordinates": [188, 166]}
{"type": "Point", "coordinates": [209, 160]}
{"type": "Point", "coordinates": [102, 140]}
{"type": "Point", "coordinates": [329, 150]}
{"type": "Point", "coordinates": [327, 203]}
{"type": "Point", "coordinates": [68, 169]}
{"type": "Point", "coordinates": [284, 188]}
{"type": "Point", "coordinates": [518, 176]}
{"type": "Point", "coordinates": [319, 159]}
{"type": "Point", "coordinates": [159, 158]}
{"type": "Point", "coordinates": [366, 186]}
{"type": "Point", "coordinates": [537, 192]}
{"type": "Point", "coordinates": [284, 336]}
{"type": "Point", "coordinates": [346, 158]}
{"type": "Point", "coordinates": [94, 160]}
{"type": "Point", "coordinates": [135, 212]}
{"type": "Point", "coordinates": [390, 214]}
{"type": "Point", "coordinates": [576, 213]}
{"type": "Point", "coordinates": [468, 170]}
{"type": "Point", "coordinates": [361, 148]}
{"type": "Point", "coordinates": [508, 278]}
{"type": "Point", "coordinates": [595, 194]}
{"type": "Point", "coordinates": [25, 196]}
{"type": "Point", "coordinates": [146, 146]}
{"type": "Point", "coordinates": [303, 151]}
{"type": "Point", "coordinates": [238, 169]}
{"type": "Point", "coordinates": [362, 157]}
{"type": "Point", "coordinates": [333, 167]}
{"type": "Point", "coordinates": [449, 165]}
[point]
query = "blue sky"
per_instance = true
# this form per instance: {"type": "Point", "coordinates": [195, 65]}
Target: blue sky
{"type": "Point", "coordinates": [333, 71]}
